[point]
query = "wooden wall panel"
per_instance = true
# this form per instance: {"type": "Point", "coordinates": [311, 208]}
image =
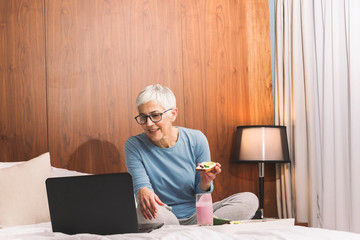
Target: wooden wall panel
{"type": "Point", "coordinates": [88, 83]}
{"type": "Point", "coordinates": [260, 85]}
{"type": "Point", "coordinates": [214, 55]}
{"type": "Point", "coordinates": [227, 73]}
{"type": "Point", "coordinates": [100, 55]}
{"type": "Point", "coordinates": [23, 127]}
{"type": "Point", "coordinates": [156, 55]}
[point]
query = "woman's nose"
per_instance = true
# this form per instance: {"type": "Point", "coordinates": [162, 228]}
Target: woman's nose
{"type": "Point", "coordinates": [149, 122]}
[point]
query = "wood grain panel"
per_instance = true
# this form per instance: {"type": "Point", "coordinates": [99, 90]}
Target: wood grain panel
{"type": "Point", "coordinates": [225, 83]}
{"type": "Point", "coordinates": [260, 85]}
{"type": "Point", "coordinates": [88, 83]}
{"type": "Point", "coordinates": [259, 63]}
{"type": "Point", "coordinates": [23, 128]}
{"type": "Point", "coordinates": [156, 55]}
{"type": "Point", "coordinates": [100, 55]}
{"type": "Point", "coordinates": [214, 55]}
{"type": "Point", "coordinates": [211, 36]}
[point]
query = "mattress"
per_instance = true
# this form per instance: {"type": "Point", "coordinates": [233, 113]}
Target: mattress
{"type": "Point", "coordinates": [277, 230]}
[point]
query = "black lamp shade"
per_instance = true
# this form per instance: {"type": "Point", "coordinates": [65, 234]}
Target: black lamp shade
{"type": "Point", "coordinates": [261, 143]}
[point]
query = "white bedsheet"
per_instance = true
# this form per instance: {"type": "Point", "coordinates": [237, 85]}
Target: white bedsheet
{"type": "Point", "coordinates": [254, 231]}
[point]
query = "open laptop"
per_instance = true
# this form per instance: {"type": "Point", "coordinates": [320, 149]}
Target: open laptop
{"type": "Point", "coordinates": [98, 204]}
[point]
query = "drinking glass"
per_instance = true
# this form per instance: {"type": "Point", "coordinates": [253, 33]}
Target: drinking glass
{"type": "Point", "coordinates": [204, 209]}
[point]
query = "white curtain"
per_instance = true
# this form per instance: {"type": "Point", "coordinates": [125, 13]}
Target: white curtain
{"type": "Point", "coordinates": [317, 96]}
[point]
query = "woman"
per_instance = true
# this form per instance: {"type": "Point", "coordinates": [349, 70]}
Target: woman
{"type": "Point", "coordinates": [162, 162]}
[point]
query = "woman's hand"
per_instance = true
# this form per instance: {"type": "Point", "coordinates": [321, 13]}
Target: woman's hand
{"type": "Point", "coordinates": [147, 202]}
{"type": "Point", "coordinates": [207, 177]}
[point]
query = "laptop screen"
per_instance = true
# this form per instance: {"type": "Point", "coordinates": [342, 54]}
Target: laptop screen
{"type": "Point", "coordinates": [98, 204]}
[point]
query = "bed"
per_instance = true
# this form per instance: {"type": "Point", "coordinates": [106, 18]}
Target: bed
{"type": "Point", "coordinates": [24, 213]}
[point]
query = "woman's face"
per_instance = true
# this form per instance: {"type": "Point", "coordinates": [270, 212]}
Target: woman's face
{"type": "Point", "coordinates": [158, 132]}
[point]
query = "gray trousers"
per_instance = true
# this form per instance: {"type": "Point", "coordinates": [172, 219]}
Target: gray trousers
{"type": "Point", "coordinates": [240, 206]}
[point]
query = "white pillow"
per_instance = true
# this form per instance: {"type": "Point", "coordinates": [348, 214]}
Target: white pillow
{"type": "Point", "coordinates": [23, 198]}
{"type": "Point", "coordinates": [62, 172]}
{"type": "Point", "coordinates": [8, 164]}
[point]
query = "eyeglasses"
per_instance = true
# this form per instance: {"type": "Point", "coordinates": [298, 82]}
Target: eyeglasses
{"type": "Point", "coordinates": [155, 117]}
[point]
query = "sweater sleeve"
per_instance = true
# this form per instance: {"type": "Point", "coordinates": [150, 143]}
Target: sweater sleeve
{"type": "Point", "coordinates": [135, 166]}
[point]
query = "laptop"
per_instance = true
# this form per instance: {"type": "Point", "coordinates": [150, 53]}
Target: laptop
{"type": "Point", "coordinates": [101, 204]}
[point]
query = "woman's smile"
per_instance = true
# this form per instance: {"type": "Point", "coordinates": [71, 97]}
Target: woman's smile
{"type": "Point", "coordinates": [153, 131]}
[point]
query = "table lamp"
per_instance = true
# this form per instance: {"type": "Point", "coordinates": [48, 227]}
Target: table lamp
{"type": "Point", "coordinates": [261, 144]}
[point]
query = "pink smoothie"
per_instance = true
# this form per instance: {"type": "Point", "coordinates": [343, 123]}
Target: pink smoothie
{"type": "Point", "coordinates": [204, 213]}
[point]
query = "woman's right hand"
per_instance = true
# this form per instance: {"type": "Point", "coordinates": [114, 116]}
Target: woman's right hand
{"type": "Point", "coordinates": [147, 202]}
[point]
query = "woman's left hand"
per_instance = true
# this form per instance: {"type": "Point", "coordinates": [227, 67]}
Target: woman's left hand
{"type": "Point", "coordinates": [207, 177]}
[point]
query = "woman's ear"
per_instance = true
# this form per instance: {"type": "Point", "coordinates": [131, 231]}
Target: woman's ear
{"type": "Point", "coordinates": [174, 113]}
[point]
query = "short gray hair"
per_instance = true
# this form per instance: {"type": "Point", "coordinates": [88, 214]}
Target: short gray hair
{"type": "Point", "coordinates": [158, 93]}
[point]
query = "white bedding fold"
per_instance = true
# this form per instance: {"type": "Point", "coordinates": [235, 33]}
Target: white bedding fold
{"type": "Point", "coordinates": [43, 231]}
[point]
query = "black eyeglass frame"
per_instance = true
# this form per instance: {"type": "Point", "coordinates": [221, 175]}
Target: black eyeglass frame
{"type": "Point", "coordinates": [149, 116]}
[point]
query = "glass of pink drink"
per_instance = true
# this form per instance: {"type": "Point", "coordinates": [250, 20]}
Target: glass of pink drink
{"type": "Point", "coordinates": [204, 209]}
